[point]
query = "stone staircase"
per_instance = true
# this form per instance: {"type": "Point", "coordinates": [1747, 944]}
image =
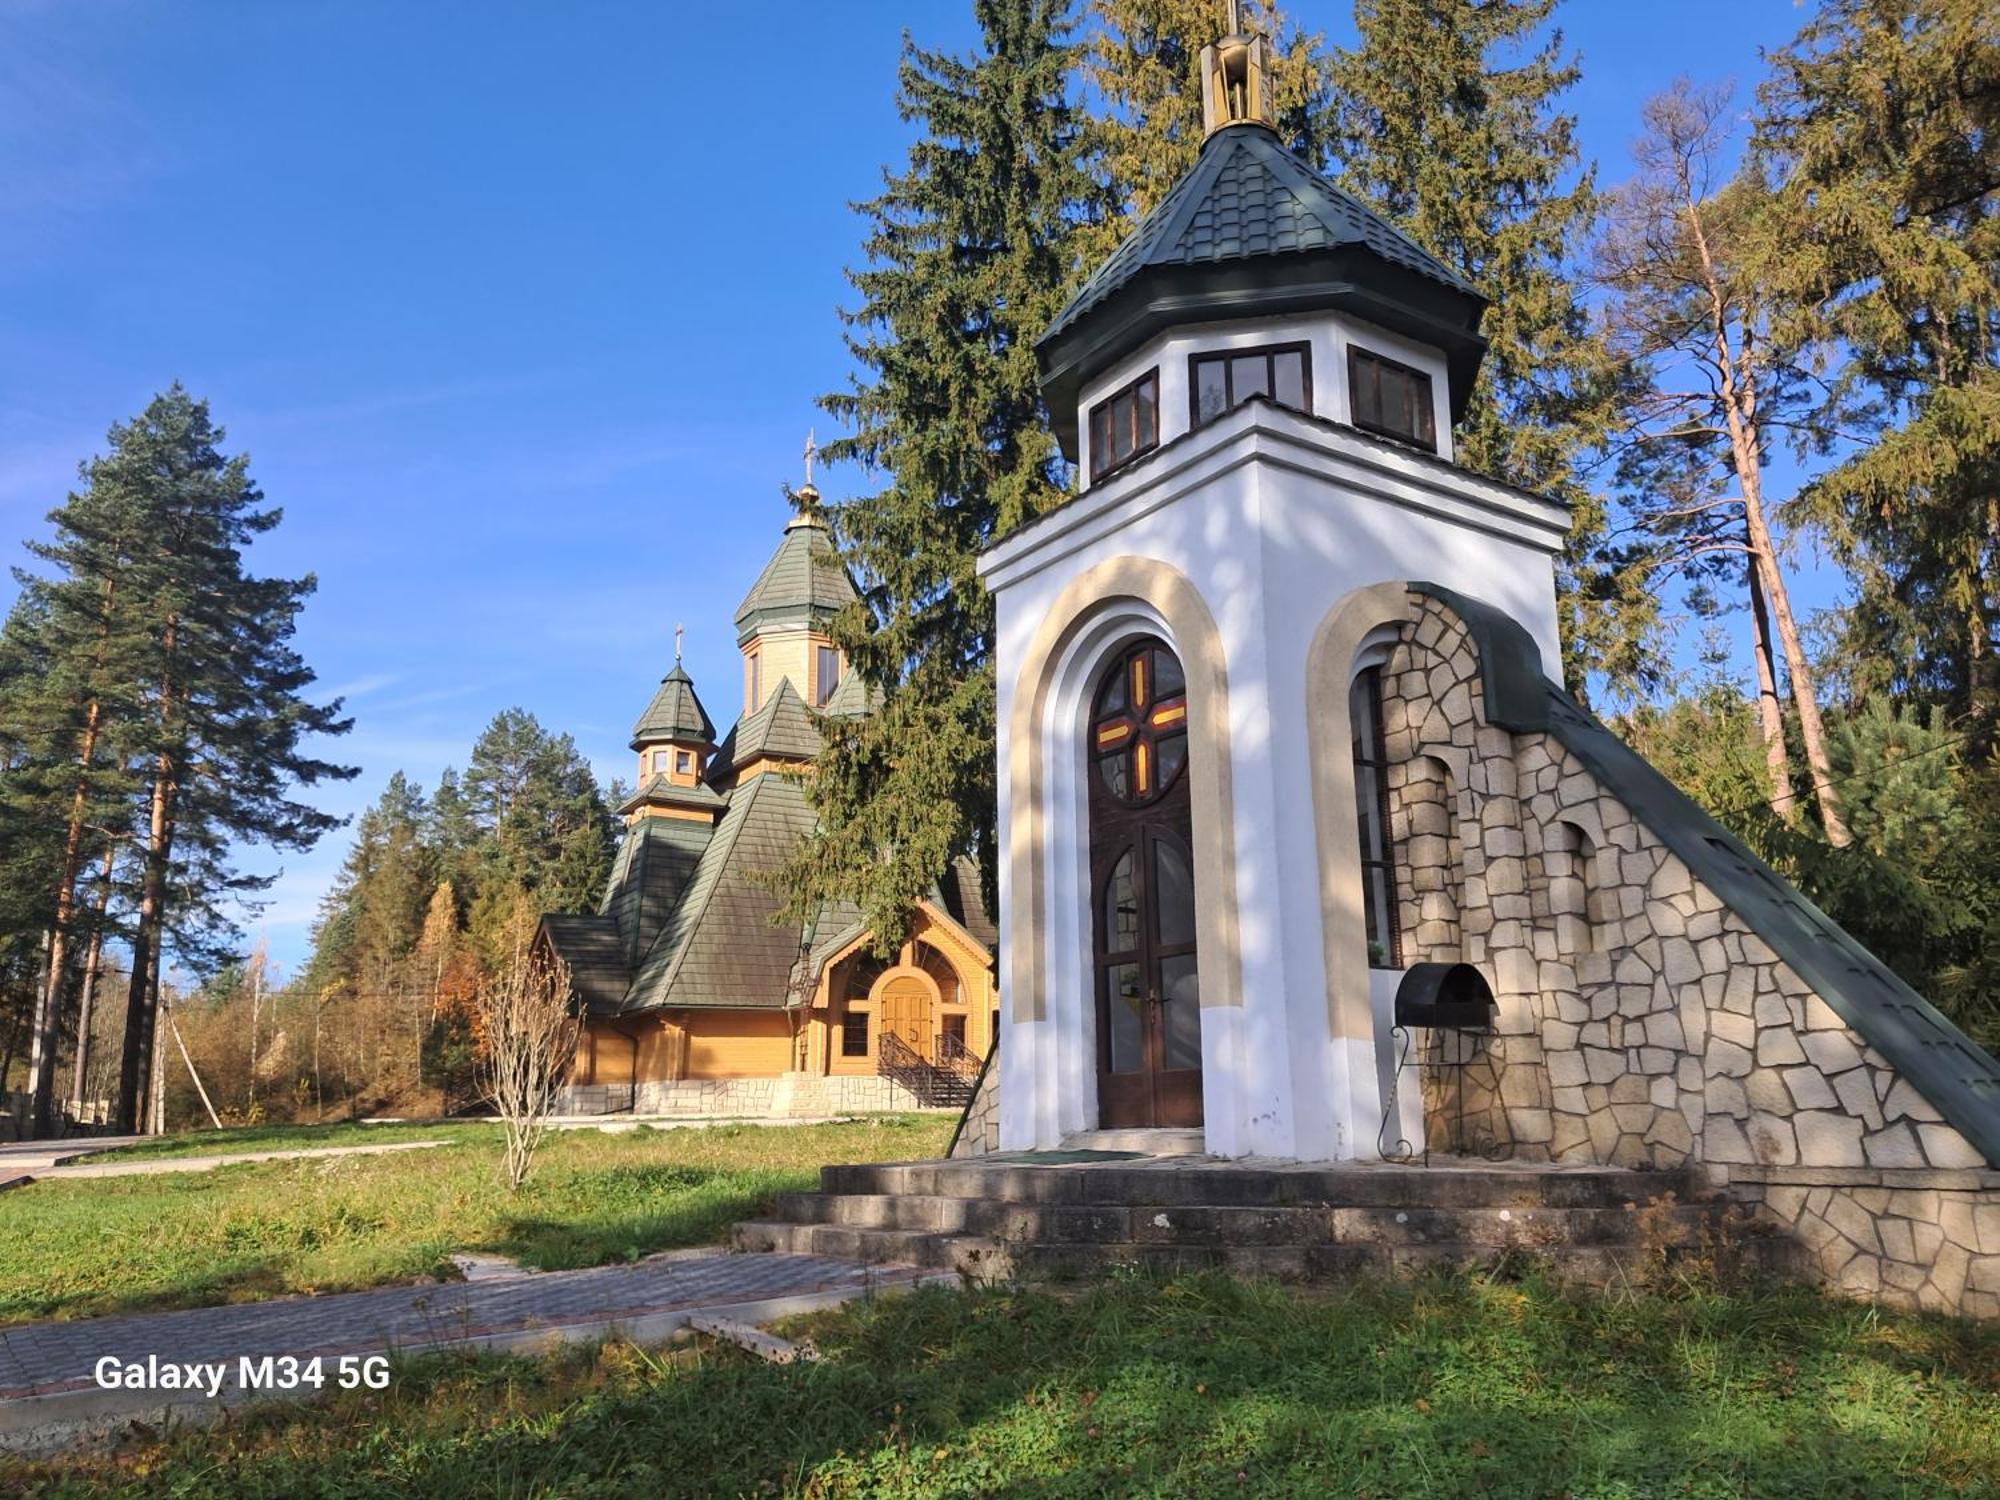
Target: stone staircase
{"type": "Point", "coordinates": [1074, 1213]}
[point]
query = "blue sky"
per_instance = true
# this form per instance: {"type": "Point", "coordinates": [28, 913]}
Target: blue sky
{"type": "Point", "coordinates": [520, 309]}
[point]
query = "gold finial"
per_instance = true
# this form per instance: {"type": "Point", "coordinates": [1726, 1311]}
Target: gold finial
{"type": "Point", "coordinates": [1236, 78]}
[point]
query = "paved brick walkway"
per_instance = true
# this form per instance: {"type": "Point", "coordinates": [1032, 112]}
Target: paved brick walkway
{"type": "Point", "coordinates": [39, 1359]}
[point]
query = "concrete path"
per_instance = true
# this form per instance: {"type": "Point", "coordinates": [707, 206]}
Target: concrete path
{"type": "Point", "coordinates": [50, 1391]}
{"type": "Point", "coordinates": [24, 1161]}
{"type": "Point", "coordinates": [150, 1165]}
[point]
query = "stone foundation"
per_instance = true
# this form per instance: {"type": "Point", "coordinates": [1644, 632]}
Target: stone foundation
{"type": "Point", "coordinates": [787, 1096]}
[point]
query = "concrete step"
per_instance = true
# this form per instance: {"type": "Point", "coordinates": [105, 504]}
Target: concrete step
{"type": "Point", "coordinates": [1113, 1184]}
{"type": "Point", "coordinates": [1015, 1223]}
{"type": "Point", "coordinates": [985, 1259]}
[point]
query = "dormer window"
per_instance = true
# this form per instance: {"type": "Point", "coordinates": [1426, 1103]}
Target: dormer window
{"type": "Point", "coordinates": [1124, 425]}
{"type": "Point", "coordinates": [1221, 382]}
{"type": "Point", "coordinates": [1390, 399]}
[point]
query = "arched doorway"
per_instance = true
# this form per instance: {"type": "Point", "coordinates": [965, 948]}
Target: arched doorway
{"type": "Point", "coordinates": [906, 1001]}
{"type": "Point", "coordinates": [1142, 885]}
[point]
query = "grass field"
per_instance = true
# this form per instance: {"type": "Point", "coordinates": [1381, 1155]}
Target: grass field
{"type": "Point", "coordinates": [1196, 1387]}
{"type": "Point", "coordinates": [288, 1138]}
{"type": "Point", "coordinates": [118, 1244]}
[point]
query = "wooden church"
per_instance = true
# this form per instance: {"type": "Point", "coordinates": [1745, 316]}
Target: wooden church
{"type": "Point", "coordinates": [694, 1001]}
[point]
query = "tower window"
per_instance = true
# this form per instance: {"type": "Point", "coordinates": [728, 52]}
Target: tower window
{"type": "Point", "coordinates": [659, 762]}
{"type": "Point", "coordinates": [1391, 399]}
{"type": "Point", "coordinates": [1371, 806]}
{"type": "Point", "coordinates": [684, 762]}
{"type": "Point", "coordinates": [826, 671]}
{"type": "Point", "coordinates": [1124, 425]}
{"type": "Point", "coordinates": [1218, 383]}
{"type": "Point", "coordinates": [756, 682]}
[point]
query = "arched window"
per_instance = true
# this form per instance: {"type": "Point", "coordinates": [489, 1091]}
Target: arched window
{"type": "Point", "coordinates": [1371, 806]}
{"type": "Point", "coordinates": [1138, 727]}
{"type": "Point", "coordinates": [939, 968]}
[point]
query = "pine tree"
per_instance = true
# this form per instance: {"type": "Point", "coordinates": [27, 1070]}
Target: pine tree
{"type": "Point", "coordinates": [1684, 260]}
{"type": "Point", "coordinates": [1881, 126]}
{"type": "Point", "coordinates": [223, 722]}
{"type": "Point", "coordinates": [970, 255]}
{"type": "Point", "coordinates": [1449, 123]}
{"type": "Point", "coordinates": [1142, 60]}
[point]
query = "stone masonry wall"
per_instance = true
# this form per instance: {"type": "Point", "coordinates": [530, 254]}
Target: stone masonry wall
{"type": "Point", "coordinates": [980, 1135]}
{"type": "Point", "coordinates": [786, 1096]}
{"type": "Point", "coordinates": [1643, 1023]}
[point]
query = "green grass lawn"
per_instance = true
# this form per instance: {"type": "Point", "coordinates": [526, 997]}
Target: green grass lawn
{"type": "Point", "coordinates": [98, 1245]}
{"type": "Point", "coordinates": [1195, 1387]}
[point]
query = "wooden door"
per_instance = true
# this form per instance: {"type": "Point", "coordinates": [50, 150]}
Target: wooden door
{"type": "Point", "coordinates": [1142, 884]}
{"type": "Point", "coordinates": [906, 1012]}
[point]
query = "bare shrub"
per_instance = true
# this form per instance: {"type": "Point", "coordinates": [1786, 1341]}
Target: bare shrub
{"type": "Point", "coordinates": [528, 1030]}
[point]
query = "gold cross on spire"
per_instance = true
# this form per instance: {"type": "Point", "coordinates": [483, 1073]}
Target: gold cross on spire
{"type": "Point", "coordinates": [677, 643]}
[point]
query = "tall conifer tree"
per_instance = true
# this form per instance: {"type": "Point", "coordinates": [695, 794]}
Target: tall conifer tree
{"type": "Point", "coordinates": [1142, 59]}
{"type": "Point", "coordinates": [1449, 122]}
{"type": "Point", "coordinates": [970, 253]}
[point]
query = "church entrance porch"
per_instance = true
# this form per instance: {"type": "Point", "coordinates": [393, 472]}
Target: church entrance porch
{"type": "Point", "coordinates": [1141, 835]}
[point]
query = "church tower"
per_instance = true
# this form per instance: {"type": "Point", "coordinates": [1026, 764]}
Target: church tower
{"type": "Point", "coordinates": [781, 625]}
{"type": "Point", "coordinates": [673, 739]}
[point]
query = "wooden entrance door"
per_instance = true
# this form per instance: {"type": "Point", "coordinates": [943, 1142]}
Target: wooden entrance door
{"type": "Point", "coordinates": [1142, 884]}
{"type": "Point", "coordinates": [906, 1012]}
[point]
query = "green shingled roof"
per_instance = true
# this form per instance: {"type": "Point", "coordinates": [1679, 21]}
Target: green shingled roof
{"type": "Point", "coordinates": [782, 729]}
{"type": "Point", "coordinates": [718, 948]}
{"type": "Point", "coordinates": [674, 714]}
{"type": "Point", "coordinates": [803, 581]}
{"type": "Point", "coordinates": [1247, 199]}
{"type": "Point", "coordinates": [656, 861]}
{"type": "Point", "coordinates": [852, 698]}
{"type": "Point", "coordinates": [660, 790]}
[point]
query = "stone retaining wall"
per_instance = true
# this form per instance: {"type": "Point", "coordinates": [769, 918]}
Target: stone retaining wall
{"type": "Point", "coordinates": [787, 1096]}
{"type": "Point", "coordinates": [980, 1133]}
{"type": "Point", "coordinates": [1643, 1023]}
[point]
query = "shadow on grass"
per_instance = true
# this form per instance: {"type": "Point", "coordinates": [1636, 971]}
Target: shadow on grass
{"type": "Point", "coordinates": [636, 1210]}
{"type": "Point", "coordinates": [1446, 1386]}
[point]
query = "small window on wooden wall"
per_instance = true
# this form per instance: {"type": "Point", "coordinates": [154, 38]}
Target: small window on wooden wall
{"type": "Point", "coordinates": [1124, 425]}
{"type": "Point", "coordinates": [826, 671]}
{"type": "Point", "coordinates": [1220, 382]}
{"type": "Point", "coordinates": [854, 1034]}
{"type": "Point", "coordinates": [1391, 399]}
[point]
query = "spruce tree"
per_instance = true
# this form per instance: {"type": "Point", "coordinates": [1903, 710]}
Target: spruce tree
{"type": "Point", "coordinates": [1881, 129]}
{"type": "Point", "coordinates": [1449, 122]}
{"type": "Point", "coordinates": [531, 803]}
{"type": "Point", "coordinates": [970, 253]}
{"type": "Point", "coordinates": [1142, 61]}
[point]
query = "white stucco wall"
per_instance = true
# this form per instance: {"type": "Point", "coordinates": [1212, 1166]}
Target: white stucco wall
{"type": "Point", "coordinates": [1329, 337]}
{"type": "Point", "coordinates": [1274, 519]}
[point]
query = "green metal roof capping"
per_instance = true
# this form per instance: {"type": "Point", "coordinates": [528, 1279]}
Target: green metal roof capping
{"type": "Point", "coordinates": [1961, 1081]}
{"type": "Point", "coordinates": [1251, 231]}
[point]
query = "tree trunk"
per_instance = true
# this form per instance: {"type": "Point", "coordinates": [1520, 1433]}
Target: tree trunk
{"type": "Point", "coordinates": [1799, 670]}
{"type": "Point", "coordinates": [135, 1063]}
{"type": "Point", "coordinates": [93, 962]}
{"type": "Point", "coordinates": [49, 1004]}
{"type": "Point", "coordinates": [1770, 716]}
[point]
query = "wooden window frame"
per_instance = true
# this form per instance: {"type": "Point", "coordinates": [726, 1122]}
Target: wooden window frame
{"type": "Point", "coordinates": [1099, 469]}
{"type": "Point", "coordinates": [1425, 442]}
{"type": "Point", "coordinates": [847, 1021]}
{"type": "Point", "coordinates": [822, 688]}
{"type": "Point", "coordinates": [1300, 347]}
{"type": "Point", "coordinates": [1377, 760]}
